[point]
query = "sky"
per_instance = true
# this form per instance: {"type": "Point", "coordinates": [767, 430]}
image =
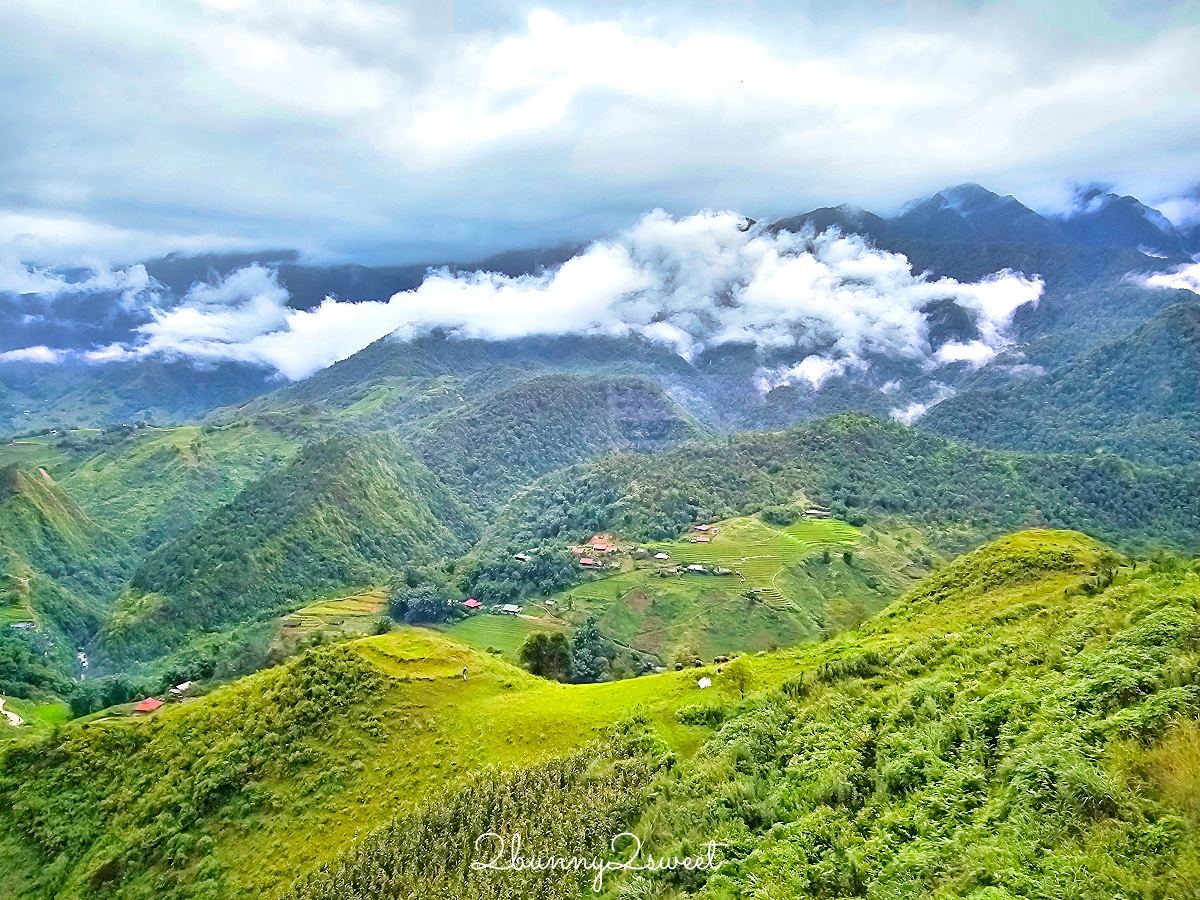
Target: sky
{"type": "Point", "coordinates": [376, 132]}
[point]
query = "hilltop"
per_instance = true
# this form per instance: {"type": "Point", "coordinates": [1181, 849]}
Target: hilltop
{"type": "Point", "coordinates": [1021, 718]}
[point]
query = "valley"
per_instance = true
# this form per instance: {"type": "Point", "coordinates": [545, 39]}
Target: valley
{"type": "Point", "coordinates": [912, 625]}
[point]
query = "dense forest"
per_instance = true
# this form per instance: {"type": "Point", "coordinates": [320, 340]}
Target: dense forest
{"type": "Point", "coordinates": [491, 448]}
{"type": "Point", "coordinates": [860, 467]}
{"type": "Point", "coordinates": [1138, 397]}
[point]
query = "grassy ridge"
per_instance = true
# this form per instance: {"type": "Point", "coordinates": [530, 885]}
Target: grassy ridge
{"type": "Point", "coordinates": [1020, 718]}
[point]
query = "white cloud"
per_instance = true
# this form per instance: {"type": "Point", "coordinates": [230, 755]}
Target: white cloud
{"type": "Point", "coordinates": [75, 240]}
{"type": "Point", "coordinates": [908, 415]}
{"type": "Point", "coordinates": [335, 122]}
{"type": "Point", "coordinates": [692, 282]}
{"type": "Point", "coordinates": [1186, 278]}
{"type": "Point", "coordinates": [38, 354]}
{"type": "Point", "coordinates": [133, 283]}
{"type": "Point", "coordinates": [815, 370]}
{"type": "Point", "coordinates": [975, 353]}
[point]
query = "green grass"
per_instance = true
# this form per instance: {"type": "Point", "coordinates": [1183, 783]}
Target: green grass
{"type": "Point", "coordinates": [879, 740]}
{"type": "Point", "coordinates": [780, 591]}
{"type": "Point", "coordinates": [504, 633]}
{"type": "Point", "coordinates": [31, 453]}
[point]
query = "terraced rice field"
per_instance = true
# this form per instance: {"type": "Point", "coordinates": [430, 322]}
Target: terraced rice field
{"type": "Point", "coordinates": [758, 552]}
{"type": "Point", "coordinates": [356, 612]}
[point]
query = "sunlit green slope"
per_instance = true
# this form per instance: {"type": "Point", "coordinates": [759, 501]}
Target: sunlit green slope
{"type": "Point", "coordinates": [1023, 723]}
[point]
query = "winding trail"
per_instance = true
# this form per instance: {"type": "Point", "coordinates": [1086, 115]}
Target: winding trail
{"type": "Point", "coordinates": [13, 719]}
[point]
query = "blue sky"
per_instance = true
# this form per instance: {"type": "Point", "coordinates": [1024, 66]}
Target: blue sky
{"type": "Point", "coordinates": [420, 131]}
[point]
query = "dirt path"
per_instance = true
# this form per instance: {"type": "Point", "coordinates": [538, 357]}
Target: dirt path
{"type": "Point", "coordinates": [13, 719]}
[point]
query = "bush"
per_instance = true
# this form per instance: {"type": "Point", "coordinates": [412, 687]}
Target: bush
{"type": "Point", "coordinates": [547, 654]}
{"type": "Point", "coordinates": [779, 515]}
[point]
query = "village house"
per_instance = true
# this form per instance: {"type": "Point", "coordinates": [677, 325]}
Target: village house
{"type": "Point", "coordinates": [472, 603]}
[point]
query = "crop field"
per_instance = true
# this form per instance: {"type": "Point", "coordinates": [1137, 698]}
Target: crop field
{"type": "Point", "coordinates": [504, 633]}
{"type": "Point", "coordinates": [758, 552]}
{"type": "Point", "coordinates": [30, 452]}
{"type": "Point", "coordinates": [355, 613]}
{"type": "Point", "coordinates": [780, 589]}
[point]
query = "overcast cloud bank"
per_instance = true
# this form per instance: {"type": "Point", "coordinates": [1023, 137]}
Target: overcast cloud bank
{"type": "Point", "coordinates": [690, 283]}
{"type": "Point", "coordinates": [406, 131]}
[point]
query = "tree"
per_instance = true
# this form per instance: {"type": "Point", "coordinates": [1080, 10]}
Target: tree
{"type": "Point", "coordinates": [547, 654]}
{"type": "Point", "coordinates": [421, 605]}
{"type": "Point", "coordinates": [739, 675]}
{"type": "Point", "coordinates": [591, 652]}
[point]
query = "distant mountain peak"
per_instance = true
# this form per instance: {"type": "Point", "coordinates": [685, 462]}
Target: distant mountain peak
{"type": "Point", "coordinates": [1101, 218]}
{"type": "Point", "coordinates": [971, 212]}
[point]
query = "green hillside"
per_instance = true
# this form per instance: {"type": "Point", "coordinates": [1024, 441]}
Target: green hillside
{"type": "Point", "coordinates": [77, 512]}
{"type": "Point", "coordinates": [1022, 723]}
{"type": "Point", "coordinates": [762, 587]}
{"type": "Point", "coordinates": [55, 569]}
{"type": "Point", "coordinates": [346, 511]}
{"type": "Point", "coordinates": [152, 484]}
{"type": "Point", "coordinates": [494, 446]}
{"type": "Point", "coordinates": [864, 469]}
{"type": "Point", "coordinates": [1138, 397]}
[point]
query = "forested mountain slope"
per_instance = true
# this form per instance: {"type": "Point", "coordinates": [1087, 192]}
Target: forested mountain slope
{"type": "Point", "coordinates": [1022, 723]}
{"type": "Point", "coordinates": [861, 467]}
{"type": "Point", "coordinates": [56, 567]}
{"type": "Point", "coordinates": [490, 448]}
{"type": "Point", "coordinates": [346, 511]}
{"type": "Point", "coordinates": [1138, 397]}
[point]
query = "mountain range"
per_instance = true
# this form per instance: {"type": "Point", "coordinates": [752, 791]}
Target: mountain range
{"type": "Point", "coordinates": [947, 592]}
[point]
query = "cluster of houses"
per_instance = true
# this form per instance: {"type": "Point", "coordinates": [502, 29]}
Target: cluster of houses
{"type": "Point", "coordinates": [590, 555]}
{"type": "Point", "coordinates": [507, 609]}
{"type": "Point", "coordinates": [175, 694]}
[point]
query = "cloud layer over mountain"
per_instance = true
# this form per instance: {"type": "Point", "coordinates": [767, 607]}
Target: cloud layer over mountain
{"type": "Point", "coordinates": [830, 301]}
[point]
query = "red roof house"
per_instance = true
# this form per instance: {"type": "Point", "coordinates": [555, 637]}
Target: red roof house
{"type": "Point", "coordinates": [587, 561]}
{"type": "Point", "coordinates": [599, 548]}
{"type": "Point", "coordinates": [472, 603]}
{"type": "Point", "coordinates": [704, 539]}
{"type": "Point", "coordinates": [703, 527]}
{"type": "Point", "coordinates": [150, 704]}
